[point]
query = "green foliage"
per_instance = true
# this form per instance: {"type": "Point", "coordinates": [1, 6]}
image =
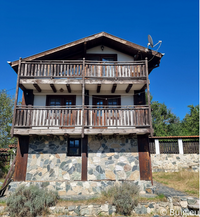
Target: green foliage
{"type": "Point", "coordinates": [125, 197]}
{"type": "Point", "coordinates": [6, 114]}
{"type": "Point", "coordinates": [190, 124]}
{"type": "Point", "coordinates": [30, 201]}
{"type": "Point", "coordinates": [164, 122]}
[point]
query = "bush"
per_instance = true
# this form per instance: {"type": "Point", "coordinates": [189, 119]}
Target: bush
{"type": "Point", "coordinates": [124, 197]}
{"type": "Point", "coordinates": [30, 201]}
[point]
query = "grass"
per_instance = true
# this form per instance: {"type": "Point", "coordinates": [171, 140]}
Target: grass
{"type": "Point", "coordinates": [185, 181]}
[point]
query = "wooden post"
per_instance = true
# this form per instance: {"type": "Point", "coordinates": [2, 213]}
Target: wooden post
{"type": "Point", "coordinates": [148, 96]}
{"type": "Point", "coordinates": [16, 96]}
{"type": "Point", "coordinates": [84, 158]}
{"type": "Point", "coordinates": [21, 158]}
{"type": "Point", "coordinates": [83, 97]}
{"type": "Point", "coordinates": [144, 158]}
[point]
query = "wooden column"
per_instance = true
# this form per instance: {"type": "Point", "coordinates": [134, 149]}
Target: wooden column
{"type": "Point", "coordinates": [148, 97]}
{"type": "Point", "coordinates": [84, 154]}
{"type": "Point", "coordinates": [16, 97]}
{"type": "Point", "coordinates": [21, 158]}
{"type": "Point", "coordinates": [144, 158]}
{"type": "Point", "coordinates": [83, 98]}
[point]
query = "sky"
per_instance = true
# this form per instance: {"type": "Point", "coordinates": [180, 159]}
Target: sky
{"type": "Point", "coordinates": [29, 27]}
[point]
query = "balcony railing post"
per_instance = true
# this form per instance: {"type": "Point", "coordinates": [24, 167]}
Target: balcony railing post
{"type": "Point", "coordinates": [148, 96]}
{"type": "Point", "coordinates": [16, 96]}
{"type": "Point", "coordinates": [83, 97]}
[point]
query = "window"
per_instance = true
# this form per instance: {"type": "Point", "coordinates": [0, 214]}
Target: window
{"type": "Point", "coordinates": [74, 147]}
{"type": "Point", "coordinates": [61, 100]}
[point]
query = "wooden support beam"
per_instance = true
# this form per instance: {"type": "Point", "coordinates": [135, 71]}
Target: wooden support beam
{"type": "Point", "coordinates": [37, 87]}
{"type": "Point", "coordinates": [113, 88]}
{"type": "Point", "coordinates": [21, 158]}
{"type": "Point", "coordinates": [144, 158]}
{"type": "Point", "coordinates": [84, 49]}
{"type": "Point", "coordinates": [132, 135]}
{"type": "Point", "coordinates": [128, 88]}
{"type": "Point", "coordinates": [66, 135]}
{"type": "Point", "coordinates": [84, 154]}
{"type": "Point", "coordinates": [50, 135]}
{"type": "Point", "coordinates": [68, 88]}
{"type": "Point", "coordinates": [99, 135]}
{"type": "Point", "coordinates": [98, 88]}
{"type": "Point", "coordinates": [53, 88]}
{"type": "Point", "coordinates": [115, 135]}
{"type": "Point", "coordinates": [33, 135]}
{"type": "Point", "coordinates": [22, 87]}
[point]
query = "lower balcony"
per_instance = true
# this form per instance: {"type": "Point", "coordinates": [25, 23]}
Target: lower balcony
{"type": "Point", "coordinates": [74, 120]}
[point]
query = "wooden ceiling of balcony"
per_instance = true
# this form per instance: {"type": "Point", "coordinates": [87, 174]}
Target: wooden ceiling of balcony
{"type": "Point", "coordinates": [77, 49]}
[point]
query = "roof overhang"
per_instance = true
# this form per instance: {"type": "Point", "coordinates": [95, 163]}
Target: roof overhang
{"type": "Point", "coordinates": [103, 38]}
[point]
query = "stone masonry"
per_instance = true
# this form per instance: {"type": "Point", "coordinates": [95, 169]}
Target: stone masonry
{"type": "Point", "coordinates": [109, 158]}
{"type": "Point", "coordinates": [48, 160]}
{"type": "Point", "coordinates": [113, 158]}
{"type": "Point", "coordinates": [174, 162]}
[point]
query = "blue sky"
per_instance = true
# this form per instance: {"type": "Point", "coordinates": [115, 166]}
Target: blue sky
{"type": "Point", "coordinates": [30, 27]}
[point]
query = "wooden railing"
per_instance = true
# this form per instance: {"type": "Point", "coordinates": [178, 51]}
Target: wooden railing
{"type": "Point", "coordinates": [48, 116]}
{"type": "Point", "coordinates": [74, 69]}
{"type": "Point", "coordinates": [129, 116]}
{"type": "Point", "coordinates": [115, 116]}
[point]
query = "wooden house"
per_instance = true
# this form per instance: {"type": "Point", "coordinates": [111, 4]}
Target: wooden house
{"type": "Point", "coordinates": [83, 115]}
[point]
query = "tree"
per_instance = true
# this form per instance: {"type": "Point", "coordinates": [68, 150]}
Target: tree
{"type": "Point", "coordinates": [190, 124]}
{"type": "Point", "coordinates": [6, 114]}
{"type": "Point", "coordinates": [164, 122]}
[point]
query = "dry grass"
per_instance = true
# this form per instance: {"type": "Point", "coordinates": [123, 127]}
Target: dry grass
{"type": "Point", "coordinates": [184, 181]}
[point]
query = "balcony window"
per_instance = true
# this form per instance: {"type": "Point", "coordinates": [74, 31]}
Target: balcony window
{"type": "Point", "coordinates": [74, 147]}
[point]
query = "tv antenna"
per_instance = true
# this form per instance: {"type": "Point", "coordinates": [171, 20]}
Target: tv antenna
{"type": "Point", "coordinates": [150, 40]}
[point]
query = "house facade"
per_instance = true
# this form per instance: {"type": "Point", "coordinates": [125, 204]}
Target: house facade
{"type": "Point", "coordinates": [84, 116]}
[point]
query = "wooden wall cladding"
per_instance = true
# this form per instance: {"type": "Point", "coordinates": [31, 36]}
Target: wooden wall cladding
{"type": "Point", "coordinates": [144, 158]}
{"type": "Point", "coordinates": [21, 158]}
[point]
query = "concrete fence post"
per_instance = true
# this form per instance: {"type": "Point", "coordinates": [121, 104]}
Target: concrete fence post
{"type": "Point", "coordinates": [180, 146]}
{"type": "Point", "coordinates": [157, 146]}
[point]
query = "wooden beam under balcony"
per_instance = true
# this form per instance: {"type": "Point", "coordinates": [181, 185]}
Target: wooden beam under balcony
{"type": "Point", "coordinates": [68, 88]}
{"type": "Point", "coordinates": [98, 88]}
{"type": "Point", "coordinates": [128, 88]}
{"type": "Point", "coordinates": [37, 87]}
{"type": "Point", "coordinates": [53, 88]}
{"type": "Point", "coordinates": [66, 135]}
{"type": "Point", "coordinates": [113, 88]}
{"type": "Point", "coordinates": [22, 87]}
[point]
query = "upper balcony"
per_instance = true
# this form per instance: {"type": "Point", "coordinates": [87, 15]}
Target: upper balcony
{"type": "Point", "coordinates": [56, 74]}
{"type": "Point", "coordinates": [76, 69]}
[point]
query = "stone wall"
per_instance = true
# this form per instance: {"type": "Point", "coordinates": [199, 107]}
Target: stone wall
{"type": "Point", "coordinates": [114, 158]}
{"type": "Point", "coordinates": [174, 162]}
{"type": "Point", "coordinates": [48, 160]}
{"type": "Point", "coordinates": [77, 188]}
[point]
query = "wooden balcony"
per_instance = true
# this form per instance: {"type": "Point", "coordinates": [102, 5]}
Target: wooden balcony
{"type": "Point", "coordinates": [61, 120]}
{"type": "Point", "coordinates": [77, 69]}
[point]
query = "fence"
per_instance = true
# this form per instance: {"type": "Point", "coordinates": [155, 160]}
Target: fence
{"type": "Point", "coordinates": [174, 145]}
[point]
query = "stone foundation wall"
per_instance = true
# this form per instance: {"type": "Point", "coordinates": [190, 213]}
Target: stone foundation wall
{"type": "Point", "coordinates": [174, 162]}
{"type": "Point", "coordinates": [48, 160]}
{"type": "Point", "coordinates": [77, 188]}
{"type": "Point", "coordinates": [113, 158]}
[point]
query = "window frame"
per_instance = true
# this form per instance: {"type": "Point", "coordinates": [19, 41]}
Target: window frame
{"type": "Point", "coordinates": [68, 148]}
{"type": "Point", "coordinates": [62, 97]}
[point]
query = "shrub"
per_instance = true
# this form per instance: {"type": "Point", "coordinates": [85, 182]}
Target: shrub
{"type": "Point", "coordinates": [30, 201]}
{"type": "Point", "coordinates": [124, 197]}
